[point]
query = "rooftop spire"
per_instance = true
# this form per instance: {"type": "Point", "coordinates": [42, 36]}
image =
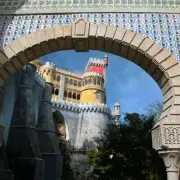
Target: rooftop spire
{"type": "Point", "coordinates": [105, 55]}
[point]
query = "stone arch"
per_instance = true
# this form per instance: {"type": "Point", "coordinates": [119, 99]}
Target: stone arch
{"type": "Point", "coordinates": [144, 52]}
{"type": "Point", "coordinates": [60, 124]}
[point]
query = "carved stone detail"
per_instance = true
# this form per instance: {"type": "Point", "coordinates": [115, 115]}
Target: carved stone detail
{"type": "Point", "coordinates": [80, 28]}
{"type": "Point", "coordinates": [171, 161]}
{"type": "Point", "coordinates": [156, 137]}
{"type": "Point", "coordinates": [171, 134]}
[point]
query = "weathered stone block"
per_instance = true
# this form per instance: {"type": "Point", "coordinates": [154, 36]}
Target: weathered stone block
{"type": "Point", "coordinates": [162, 80]}
{"type": "Point", "coordinates": [176, 90]}
{"type": "Point", "coordinates": [10, 68]}
{"type": "Point", "coordinates": [175, 81]}
{"type": "Point", "coordinates": [151, 68]}
{"type": "Point", "coordinates": [166, 87]}
{"type": "Point", "coordinates": [15, 46]}
{"type": "Point", "coordinates": [16, 62]}
{"type": "Point", "coordinates": [101, 30]}
{"type": "Point", "coordinates": [168, 63]}
{"type": "Point", "coordinates": [128, 37]}
{"type": "Point", "coordinates": [145, 63]}
{"type": "Point", "coordinates": [157, 74]}
{"type": "Point", "coordinates": [120, 32]}
{"type": "Point", "coordinates": [109, 38]}
{"type": "Point", "coordinates": [49, 33]}
{"type": "Point", "coordinates": [9, 52]}
{"type": "Point", "coordinates": [24, 42]}
{"type": "Point", "coordinates": [40, 36]}
{"type": "Point", "coordinates": [58, 31]}
{"type": "Point", "coordinates": [168, 95]}
{"type": "Point", "coordinates": [174, 71]}
{"type": "Point", "coordinates": [154, 50]}
{"type": "Point", "coordinates": [32, 39]}
{"type": "Point", "coordinates": [177, 100]}
{"type": "Point", "coordinates": [131, 54]}
{"type": "Point", "coordinates": [136, 42]}
{"type": "Point", "coordinates": [162, 56]}
{"type": "Point", "coordinates": [168, 103]}
{"type": "Point", "coordinates": [145, 46]}
{"type": "Point", "coordinates": [4, 74]}
{"type": "Point", "coordinates": [3, 58]}
{"type": "Point", "coordinates": [110, 32]}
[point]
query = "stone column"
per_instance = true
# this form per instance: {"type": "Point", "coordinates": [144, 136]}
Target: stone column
{"type": "Point", "coordinates": [171, 160]}
{"type": "Point", "coordinates": [49, 145]}
{"type": "Point", "coordinates": [23, 142]}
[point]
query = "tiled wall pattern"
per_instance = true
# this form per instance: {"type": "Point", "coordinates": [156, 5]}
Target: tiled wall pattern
{"type": "Point", "coordinates": [163, 28]}
{"type": "Point", "coordinates": [80, 5]}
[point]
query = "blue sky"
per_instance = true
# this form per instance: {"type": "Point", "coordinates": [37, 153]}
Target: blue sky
{"type": "Point", "coordinates": [127, 83]}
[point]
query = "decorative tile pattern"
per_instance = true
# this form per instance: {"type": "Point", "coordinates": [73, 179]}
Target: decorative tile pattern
{"type": "Point", "coordinates": [163, 28]}
{"type": "Point", "coordinates": [37, 6]}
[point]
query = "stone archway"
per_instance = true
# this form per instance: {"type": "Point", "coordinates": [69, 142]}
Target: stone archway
{"type": "Point", "coordinates": [83, 36]}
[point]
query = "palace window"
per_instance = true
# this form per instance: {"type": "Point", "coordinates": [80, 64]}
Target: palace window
{"type": "Point", "coordinates": [58, 78]}
{"type": "Point", "coordinates": [57, 92]}
{"type": "Point", "coordinates": [98, 95]}
{"type": "Point", "coordinates": [78, 97]}
{"type": "Point", "coordinates": [65, 93]}
{"type": "Point", "coordinates": [70, 81]}
{"type": "Point", "coordinates": [79, 84]}
{"type": "Point", "coordinates": [75, 83]}
{"type": "Point", "coordinates": [74, 95]}
{"type": "Point", "coordinates": [69, 95]}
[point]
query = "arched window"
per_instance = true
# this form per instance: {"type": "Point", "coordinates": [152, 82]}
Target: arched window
{"type": "Point", "coordinates": [94, 82]}
{"type": "Point", "coordinates": [70, 81]}
{"type": "Point", "coordinates": [58, 78]}
{"type": "Point", "coordinates": [79, 84]}
{"type": "Point", "coordinates": [69, 95]}
{"type": "Point", "coordinates": [98, 82]}
{"type": "Point", "coordinates": [89, 81]}
{"type": "Point", "coordinates": [75, 83]}
{"type": "Point", "coordinates": [74, 95]}
{"type": "Point", "coordinates": [65, 93]}
{"type": "Point", "coordinates": [57, 92]}
{"type": "Point", "coordinates": [78, 97]}
{"type": "Point", "coordinates": [98, 95]}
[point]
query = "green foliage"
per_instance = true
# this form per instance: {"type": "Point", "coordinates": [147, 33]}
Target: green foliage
{"type": "Point", "coordinates": [130, 145]}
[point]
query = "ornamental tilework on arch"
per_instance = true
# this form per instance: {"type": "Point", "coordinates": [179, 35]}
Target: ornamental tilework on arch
{"type": "Point", "coordinates": [81, 5]}
{"type": "Point", "coordinates": [163, 28]}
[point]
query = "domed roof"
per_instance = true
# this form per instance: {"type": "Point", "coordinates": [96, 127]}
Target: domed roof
{"type": "Point", "coordinates": [116, 104]}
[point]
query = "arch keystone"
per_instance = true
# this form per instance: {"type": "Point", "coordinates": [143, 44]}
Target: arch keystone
{"type": "Point", "coordinates": [80, 33]}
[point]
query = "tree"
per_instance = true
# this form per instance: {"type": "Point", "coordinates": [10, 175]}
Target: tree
{"type": "Point", "coordinates": [125, 152]}
{"type": "Point", "coordinates": [154, 109]}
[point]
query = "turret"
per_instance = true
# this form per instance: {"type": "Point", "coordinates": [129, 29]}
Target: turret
{"type": "Point", "coordinates": [48, 71]}
{"type": "Point", "coordinates": [37, 62]}
{"type": "Point", "coordinates": [116, 113]}
{"type": "Point", "coordinates": [93, 88]}
{"type": "Point", "coordinates": [106, 60]}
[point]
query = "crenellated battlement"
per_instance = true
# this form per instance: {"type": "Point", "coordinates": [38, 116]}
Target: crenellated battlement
{"type": "Point", "coordinates": [58, 103]}
{"type": "Point", "coordinates": [49, 65]}
{"type": "Point", "coordinates": [95, 74]}
{"type": "Point", "coordinates": [39, 78]}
